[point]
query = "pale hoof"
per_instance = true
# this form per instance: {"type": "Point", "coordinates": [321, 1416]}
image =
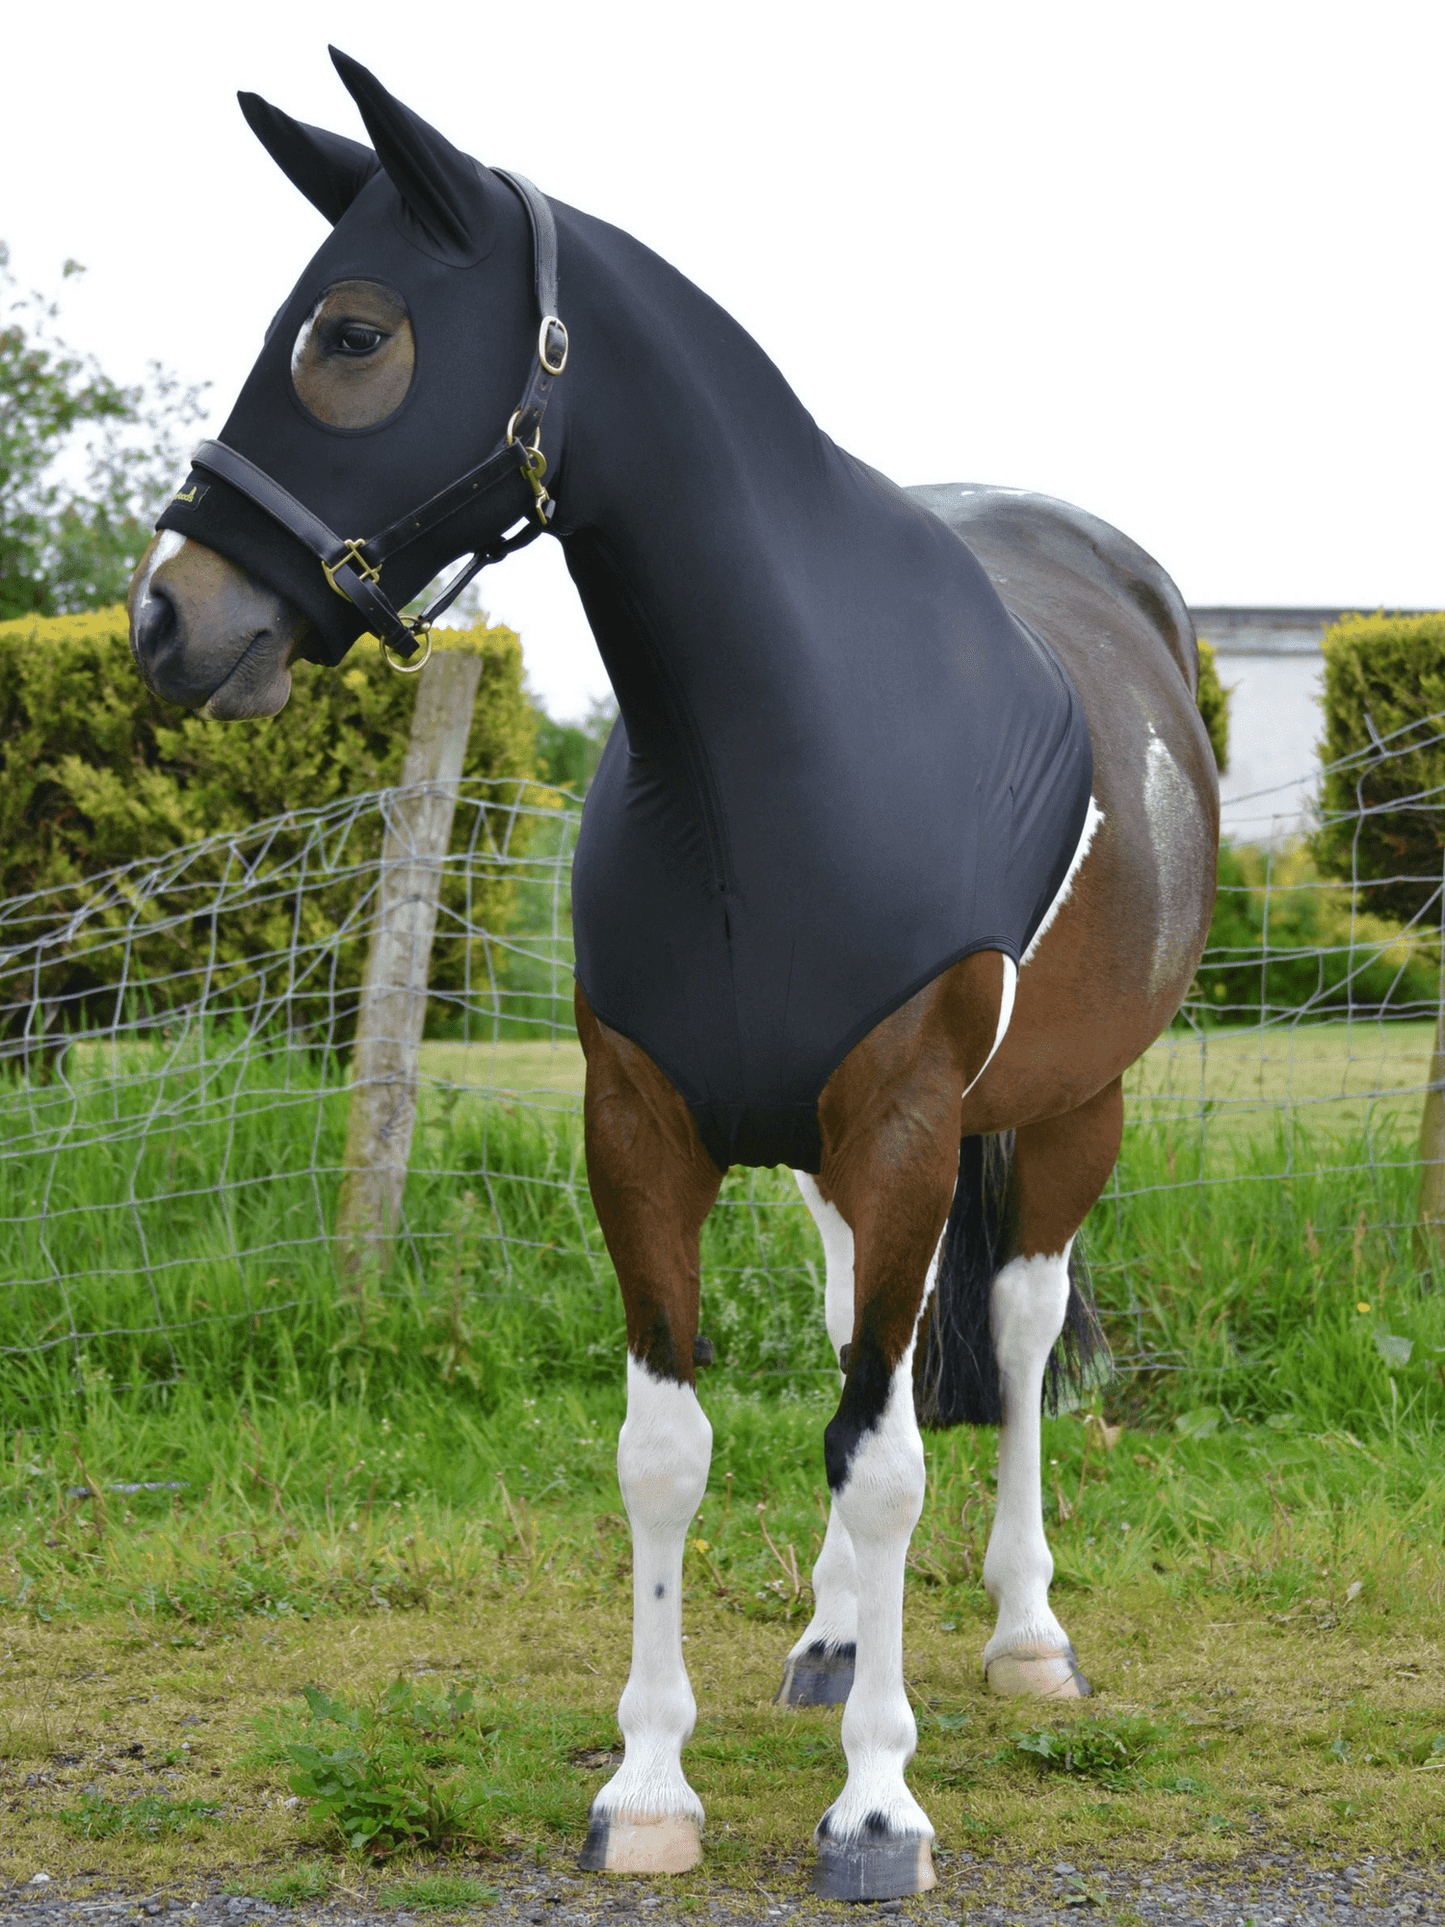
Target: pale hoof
{"type": "Point", "coordinates": [821, 1676]}
{"type": "Point", "coordinates": [873, 1869]}
{"type": "Point", "coordinates": [1048, 1676]}
{"type": "Point", "coordinates": [641, 1843]}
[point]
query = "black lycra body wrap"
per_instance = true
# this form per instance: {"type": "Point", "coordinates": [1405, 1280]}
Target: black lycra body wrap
{"type": "Point", "coordinates": [865, 770]}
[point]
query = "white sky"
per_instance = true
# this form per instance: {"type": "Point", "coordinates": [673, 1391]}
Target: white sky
{"type": "Point", "coordinates": [1181, 265]}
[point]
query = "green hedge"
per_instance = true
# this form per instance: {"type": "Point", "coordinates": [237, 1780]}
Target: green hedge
{"type": "Point", "coordinates": [1389, 672]}
{"type": "Point", "coordinates": [97, 773]}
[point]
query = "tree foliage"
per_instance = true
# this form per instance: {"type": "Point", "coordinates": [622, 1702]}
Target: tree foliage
{"type": "Point", "coordinates": [85, 463]}
{"type": "Point", "coordinates": [568, 753]}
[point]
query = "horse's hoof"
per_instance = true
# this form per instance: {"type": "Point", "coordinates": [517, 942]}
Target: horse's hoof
{"type": "Point", "coordinates": [1049, 1676]}
{"type": "Point", "coordinates": [641, 1843]}
{"type": "Point", "coordinates": [821, 1676]}
{"type": "Point", "coordinates": [873, 1869]}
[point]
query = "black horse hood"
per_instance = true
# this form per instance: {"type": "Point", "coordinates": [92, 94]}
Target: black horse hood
{"type": "Point", "coordinates": [437, 249]}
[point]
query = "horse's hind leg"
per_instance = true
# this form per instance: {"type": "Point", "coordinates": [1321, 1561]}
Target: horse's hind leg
{"type": "Point", "coordinates": [653, 1185]}
{"type": "Point", "coordinates": [1060, 1168]}
{"type": "Point", "coordinates": [819, 1669]}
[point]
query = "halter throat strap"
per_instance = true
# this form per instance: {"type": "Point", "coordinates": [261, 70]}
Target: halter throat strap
{"type": "Point", "coordinates": [352, 565]}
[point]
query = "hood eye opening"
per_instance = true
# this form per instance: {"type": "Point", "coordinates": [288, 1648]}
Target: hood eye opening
{"type": "Point", "coordinates": [355, 355]}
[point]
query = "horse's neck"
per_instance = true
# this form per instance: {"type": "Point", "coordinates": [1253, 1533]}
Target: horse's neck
{"type": "Point", "coordinates": [692, 476]}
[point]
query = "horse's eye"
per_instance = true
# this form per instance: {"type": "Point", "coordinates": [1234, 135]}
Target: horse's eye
{"type": "Point", "coordinates": [357, 339]}
{"type": "Point", "coordinates": [354, 355]}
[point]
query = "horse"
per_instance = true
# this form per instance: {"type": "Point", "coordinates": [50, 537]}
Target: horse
{"type": "Point", "coordinates": [902, 851]}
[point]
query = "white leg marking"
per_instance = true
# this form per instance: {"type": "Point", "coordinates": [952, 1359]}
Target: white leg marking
{"type": "Point", "coordinates": [879, 1503]}
{"type": "Point", "coordinates": [1092, 820]}
{"type": "Point", "coordinates": [662, 1460]}
{"type": "Point", "coordinates": [835, 1575]}
{"type": "Point", "coordinates": [837, 1238]}
{"type": "Point", "coordinates": [1005, 1012]}
{"type": "Point", "coordinates": [1030, 1297]}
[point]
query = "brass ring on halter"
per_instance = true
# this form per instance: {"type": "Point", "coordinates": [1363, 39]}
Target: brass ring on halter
{"type": "Point", "coordinates": [407, 668]}
{"type": "Point", "coordinates": [536, 447]}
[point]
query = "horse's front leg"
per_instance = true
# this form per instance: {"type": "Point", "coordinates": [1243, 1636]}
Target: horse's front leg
{"type": "Point", "coordinates": [653, 1185]}
{"type": "Point", "coordinates": [890, 1123]}
{"type": "Point", "coordinates": [1060, 1167]}
{"type": "Point", "coordinates": [875, 1841]}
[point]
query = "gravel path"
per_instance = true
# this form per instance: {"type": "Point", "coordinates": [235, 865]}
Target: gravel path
{"type": "Point", "coordinates": [1268, 1890]}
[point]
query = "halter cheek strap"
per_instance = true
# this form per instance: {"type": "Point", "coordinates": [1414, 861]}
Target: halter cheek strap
{"type": "Point", "coordinates": [353, 565]}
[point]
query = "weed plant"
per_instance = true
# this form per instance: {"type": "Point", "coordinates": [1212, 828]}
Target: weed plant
{"type": "Point", "coordinates": [373, 1778]}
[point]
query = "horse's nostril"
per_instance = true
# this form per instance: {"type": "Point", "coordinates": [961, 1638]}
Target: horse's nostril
{"type": "Point", "coordinates": [155, 627]}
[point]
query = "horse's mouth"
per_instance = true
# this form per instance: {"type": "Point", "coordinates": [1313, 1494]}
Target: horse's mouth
{"type": "Point", "coordinates": [258, 684]}
{"type": "Point", "coordinates": [193, 613]}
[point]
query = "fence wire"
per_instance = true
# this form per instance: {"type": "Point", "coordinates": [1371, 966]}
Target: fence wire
{"type": "Point", "coordinates": [173, 1066]}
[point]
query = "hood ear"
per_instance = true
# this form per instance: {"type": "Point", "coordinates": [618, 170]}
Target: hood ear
{"type": "Point", "coordinates": [329, 169]}
{"type": "Point", "coordinates": [438, 183]}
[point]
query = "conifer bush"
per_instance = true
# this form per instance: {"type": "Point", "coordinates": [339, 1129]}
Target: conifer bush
{"type": "Point", "coordinates": [98, 773]}
{"type": "Point", "coordinates": [1214, 705]}
{"type": "Point", "coordinates": [1384, 678]}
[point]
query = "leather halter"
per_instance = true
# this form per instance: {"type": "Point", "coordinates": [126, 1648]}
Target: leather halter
{"type": "Point", "coordinates": [353, 565]}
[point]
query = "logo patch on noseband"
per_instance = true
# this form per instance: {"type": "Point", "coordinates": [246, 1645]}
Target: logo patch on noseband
{"type": "Point", "coordinates": [188, 497]}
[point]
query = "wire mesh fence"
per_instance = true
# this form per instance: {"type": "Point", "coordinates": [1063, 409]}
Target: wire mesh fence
{"type": "Point", "coordinates": [174, 1042]}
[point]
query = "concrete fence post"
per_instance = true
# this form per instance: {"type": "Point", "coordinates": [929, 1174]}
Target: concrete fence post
{"type": "Point", "coordinates": [389, 1022]}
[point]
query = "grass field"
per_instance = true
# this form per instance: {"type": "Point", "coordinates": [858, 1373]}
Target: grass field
{"type": "Point", "coordinates": [1368, 1072]}
{"type": "Point", "coordinates": [1344, 1079]}
{"type": "Point", "coordinates": [1260, 1612]}
{"type": "Point", "coordinates": [416, 1483]}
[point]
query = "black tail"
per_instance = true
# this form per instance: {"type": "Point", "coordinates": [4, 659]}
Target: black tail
{"type": "Point", "coordinates": [956, 1379]}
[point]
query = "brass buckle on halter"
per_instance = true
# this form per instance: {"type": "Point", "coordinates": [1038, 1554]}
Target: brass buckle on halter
{"type": "Point", "coordinates": [552, 327]}
{"type": "Point", "coordinates": [357, 561]}
{"type": "Point", "coordinates": [534, 467]}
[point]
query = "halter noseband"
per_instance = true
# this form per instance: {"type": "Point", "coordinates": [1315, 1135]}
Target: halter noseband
{"type": "Point", "coordinates": [353, 566]}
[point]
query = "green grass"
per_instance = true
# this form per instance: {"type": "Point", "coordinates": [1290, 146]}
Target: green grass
{"type": "Point", "coordinates": [1258, 1610]}
{"type": "Point", "coordinates": [417, 1485]}
{"type": "Point", "coordinates": [441, 1891]}
{"type": "Point", "coordinates": [148, 1817]}
{"type": "Point", "coordinates": [1335, 1080]}
{"type": "Point", "coordinates": [312, 1880]}
{"type": "Point", "coordinates": [169, 1251]}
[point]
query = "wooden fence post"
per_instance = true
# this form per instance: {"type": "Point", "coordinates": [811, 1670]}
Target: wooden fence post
{"type": "Point", "coordinates": [1431, 1229]}
{"type": "Point", "coordinates": [394, 993]}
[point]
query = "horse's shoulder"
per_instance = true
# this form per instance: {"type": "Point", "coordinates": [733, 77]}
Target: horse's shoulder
{"type": "Point", "coordinates": [1013, 532]}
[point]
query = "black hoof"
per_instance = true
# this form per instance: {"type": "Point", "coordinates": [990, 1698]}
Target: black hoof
{"type": "Point", "coordinates": [822, 1676]}
{"type": "Point", "coordinates": [593, 1857]}
{"type": "Point", "coordinates": [873, 1869]}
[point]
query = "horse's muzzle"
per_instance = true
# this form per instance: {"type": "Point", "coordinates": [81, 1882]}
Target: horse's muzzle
{"type": "Point", "coordinates": [207, 635]}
